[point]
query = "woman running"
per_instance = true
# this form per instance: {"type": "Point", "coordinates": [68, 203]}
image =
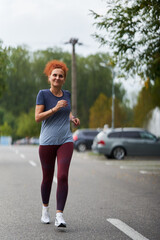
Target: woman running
{"type": "Point", "coordinates": [53, 108]}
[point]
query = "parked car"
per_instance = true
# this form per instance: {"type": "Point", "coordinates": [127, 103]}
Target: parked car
{"type": "Point", "coordinates": [22, 141]}
{"type": "Point", "coordinates": [120, 142]}
{"type": "Point", "coordinates": [83, 138]}
{"type": "Point", "coordinates": [34, 141]}
{"type": "Point", "coordinates": [27, 141]}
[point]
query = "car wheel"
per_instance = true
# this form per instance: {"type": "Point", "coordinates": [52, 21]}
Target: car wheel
{"type": "Point", "coordinates": [81, 147]}
{"type": "Point", "coordinates": [118, 153]}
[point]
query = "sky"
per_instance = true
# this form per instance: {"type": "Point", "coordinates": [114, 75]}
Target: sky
{"type": "Point", "coordinates": [48, 23]}
{"type": "Point", "coordinates": [40, 24]}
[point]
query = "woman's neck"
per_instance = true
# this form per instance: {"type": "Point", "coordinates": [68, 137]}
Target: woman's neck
{"type": "Point", "coordinates": [56, 91]}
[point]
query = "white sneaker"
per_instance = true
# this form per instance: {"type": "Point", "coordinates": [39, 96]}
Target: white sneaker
{"type": "Point", "coordinates": [45, 215]}
{"type": "Point", "coordinates": [59, 220]}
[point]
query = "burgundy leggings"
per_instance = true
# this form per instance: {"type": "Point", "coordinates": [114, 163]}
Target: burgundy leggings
{"type": "Point", "coordinates": [48, 156]}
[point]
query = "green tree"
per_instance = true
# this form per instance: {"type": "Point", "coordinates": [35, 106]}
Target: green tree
{"type": "Point", "coordinates": [6, 130]}
{"type": "Point", "coordinates": [3, 68]}
{"type": "Point", "coordinates": [101, 114]}
{"type": "Point", "coordinates": [93, 79]}
{"type": "Point", "coordinates": [143, 107]}
{"type": "Point", "coordinates": [132, 29]}
{"type": "Point", "coordinates": [25, 78]}
{"type": "Point", "coordinates": [8, 121]}
{"type": "Point", "coordinates": [19, 96]}
{"type": "Point", "coordinates": [27, 127]}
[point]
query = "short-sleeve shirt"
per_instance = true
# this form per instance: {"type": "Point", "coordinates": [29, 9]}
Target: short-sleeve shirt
{"type": "Point", "coordinates": [55, 130]}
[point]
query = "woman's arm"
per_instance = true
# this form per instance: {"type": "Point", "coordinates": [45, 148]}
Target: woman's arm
{"type": "Point", "coordinates": [41, 115]}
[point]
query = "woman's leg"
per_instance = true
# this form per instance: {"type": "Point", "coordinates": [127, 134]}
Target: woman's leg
{"type": "Point", "coordinates": [64, 155]}
{"type": "Point", "coordinates": [47, 156]}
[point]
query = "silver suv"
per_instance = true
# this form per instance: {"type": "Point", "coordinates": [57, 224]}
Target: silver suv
{"type": "Point", "coordinates": [120, 142]}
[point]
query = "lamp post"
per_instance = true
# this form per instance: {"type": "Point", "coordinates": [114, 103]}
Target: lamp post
{"type": "Point", "coordinates": [113, 96]}
{"type": "Point", "coordinates": [73, 42]}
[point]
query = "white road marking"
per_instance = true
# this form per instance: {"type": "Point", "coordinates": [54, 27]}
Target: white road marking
{"type": "Point", "coordinates": [22, 156]}
{"type": "Point", "coordinates": [147, 172]}
{"type": "Point", "coordinates": [126, 229]}
{"type": "Point", "coordinates": [16, 151]}
{"type": "Point", "coordinates": [55, 179]}
{"type": "Point", "coordinates": [108, 163]}
{"type": "Point", "coordinates": [139, 167]}
{"type": "Point", "coordinates": [33, 163]}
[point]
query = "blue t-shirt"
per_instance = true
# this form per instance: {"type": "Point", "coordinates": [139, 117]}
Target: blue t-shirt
{"type": "Point", "coordinates": [55, 130]}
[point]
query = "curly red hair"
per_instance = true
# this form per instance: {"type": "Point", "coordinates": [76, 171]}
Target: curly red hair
{"type": "Point", "coordinates": [55, 64]}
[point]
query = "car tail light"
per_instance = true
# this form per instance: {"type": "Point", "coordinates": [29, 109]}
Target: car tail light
{"type": "Point", "coordinates": [101, 142]}
{"type": "Point", "coordinates": [75, 137]}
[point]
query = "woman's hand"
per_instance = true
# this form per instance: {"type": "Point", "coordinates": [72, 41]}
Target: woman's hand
{"type": "Point", "coordinates": [76, 121]}
{"type": "Point", "coordinates": [61, 104]}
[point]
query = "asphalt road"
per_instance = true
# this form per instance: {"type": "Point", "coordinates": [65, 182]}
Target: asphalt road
{"type": "Point", "coordinates": [112, 200]}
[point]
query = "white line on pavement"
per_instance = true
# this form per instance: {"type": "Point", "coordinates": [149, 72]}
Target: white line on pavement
{"type": "Point", "coordinates": [33, 163]}
{"type": "Point", "coordinates": [22, 155]}
{"type": "Point", "coordinates": [147, 172]}
{"type": "Point", "coordinates": [139, 167]}
{"type": "Point", "coordinates": [126, 229]}
{"type": "Point", "coordinates": [108, 163]}
{"type": "Point", "coordinates": [55, 179]}
{"type": "Point", "coordinates": [16, 151]}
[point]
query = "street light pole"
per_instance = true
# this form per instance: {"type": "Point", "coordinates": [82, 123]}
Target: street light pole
{"type": "Point", "coordinates": [113, 97]}
{"type": "Point", "coordinates": [74, 41]}
{"type": "Point", "coordinates": [74, 78]}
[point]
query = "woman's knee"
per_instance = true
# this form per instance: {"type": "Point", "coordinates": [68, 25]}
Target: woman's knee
{"type": "Point", "coordinates": [62, 178]}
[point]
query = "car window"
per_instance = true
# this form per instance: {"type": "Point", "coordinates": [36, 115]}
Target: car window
{"type": "Point", "coordinates": [130, 134]}
{"type": "Point", "coordinates": [93, 133]}
{"type": "Point", "coordinates": [147, 135]}
{"type": "Point", "coordinates": [90, 133]}
{"type": "Point", "coordinates": [114, 134]}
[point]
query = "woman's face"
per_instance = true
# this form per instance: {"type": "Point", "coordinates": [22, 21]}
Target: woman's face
{"type": "Point", "coordinates": [57, 78]}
